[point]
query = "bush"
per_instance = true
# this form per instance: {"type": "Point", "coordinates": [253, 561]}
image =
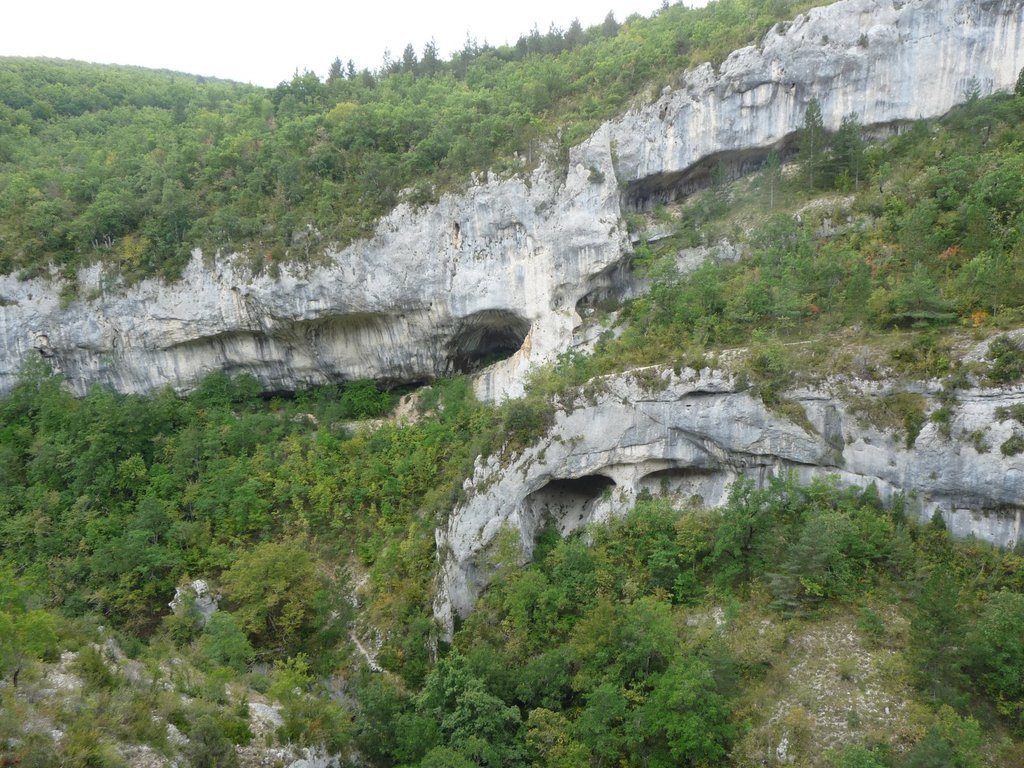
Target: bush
{"type": "Point", "coordinates": [1007, 356]}
{"type": "Point", "coordinates": [363, 400]}
{"type": "Point", "coordinates": [93, 668]}
{"type": "Point", "coordinates": [1013, 445]}
{"type": "Point", "coordinates": [223, 643]}
{"type": "Point", "coordinates": [997, 653]}
{"type": "Point", "coordinates": [208, 746]}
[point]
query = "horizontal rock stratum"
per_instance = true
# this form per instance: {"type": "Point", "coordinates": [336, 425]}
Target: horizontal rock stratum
{"type": "Point", "coordinates": [499, 269]}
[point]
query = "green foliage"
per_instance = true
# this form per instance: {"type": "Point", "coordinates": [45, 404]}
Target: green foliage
{"type": "Point", "coordinates": [855, 756]}
{"type": "Point", "coordinates": [900, 411]}
{"type": "Point", "coordinates": [937, 633]}
{"type": "Point", "coordinates": [953, 742]}
{"type": "Point", "coordinates": [685, 720]}
{"type": "Point", "coordinates": [280, 598]}
{"type": "Point", "coordinates": [588, 655]}
{"type": "Point", "coordinates": [1007, 356]}
{"type": "Point", "coordinates": [813, 146]}
{"type": "Point", "coordinates": [1013, 445]}
{"type": "Point", "coordinates": [363, 400]}
{"type": "Point", "coordinates": [812, 543]}
{"type": "Point", "coordinates": [769, 368]}
{"type": "Point", "coordinates": [27, 633]}
{"type": "Point", "coordinates": [1014, 412]}
{"type": "Point", "coordinates": [94, 670]}
{"type": "Point", "coordinates": [997, 654]}
{"type": "Point", "coordinates": [224, 643]}
{"type": "Point", "coordinates": [209, 746]}
{"type": "Point", "coordinates": [114, 501]}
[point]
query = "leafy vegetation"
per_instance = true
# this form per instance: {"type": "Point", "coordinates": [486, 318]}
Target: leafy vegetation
{"type": "Point", "coordinates": [602, 651]}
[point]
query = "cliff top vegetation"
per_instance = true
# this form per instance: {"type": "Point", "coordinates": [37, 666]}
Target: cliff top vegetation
{"type": "Point", "coordinates": [136, 168]}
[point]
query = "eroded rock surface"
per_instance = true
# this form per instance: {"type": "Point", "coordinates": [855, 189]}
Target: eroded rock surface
{"type": "Point", "coordinates": [691, 435]}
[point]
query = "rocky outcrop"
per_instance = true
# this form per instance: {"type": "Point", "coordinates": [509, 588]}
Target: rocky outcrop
{"type": "Point", "coordinates": [498, 270]}
{"type": "Point", "coordinates": [691, 434]}
{"type": "Point", "coordinates": [885, 61]}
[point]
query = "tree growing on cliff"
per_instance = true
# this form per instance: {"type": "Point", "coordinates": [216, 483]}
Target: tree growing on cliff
{"type": "Point", "coordinates": [813, 155]}
{"type": "Point", "coordinates": [848, 161]}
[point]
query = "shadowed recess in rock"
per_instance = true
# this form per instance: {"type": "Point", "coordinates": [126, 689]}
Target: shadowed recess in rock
{"type": "Point", "coordinates": [647, 193]}
{"type": "Point", "coordinates": [611, 285]}
{"type": "Point", "coordinates": [568, 503]}
{"type": "Point", "coordinates": [484, 338]}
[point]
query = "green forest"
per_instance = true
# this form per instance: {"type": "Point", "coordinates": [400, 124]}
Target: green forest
{"type": "Point", "coordinates": [673, 636]}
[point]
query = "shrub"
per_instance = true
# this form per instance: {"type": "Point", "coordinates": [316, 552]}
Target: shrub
{"type": "Point", "coordinates": [1007, 356]}
{"type": "Point", "coordinates": [93, 668]}
{"type": "Point", "coordinates": [997, 653]}
{"type": "Point", "coordinates": [1013, 445]}
{"type": "Point", "coordinates": [224, 643]}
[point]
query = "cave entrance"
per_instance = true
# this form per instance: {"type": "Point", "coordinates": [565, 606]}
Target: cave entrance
{"type": "Point", "coordinates": [568, 503]}
{"type": "Point", "coordinates": [485, 338]}
{"type": "Point", "coordinates": [646, 194]}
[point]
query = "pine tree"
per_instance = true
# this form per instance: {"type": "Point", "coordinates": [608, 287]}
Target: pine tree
{"type": "Point", "coordinates": [610, 27]}
{"type": "Point", "coordinates": [409, 59]}
{"type": "Point", "coordinates": [772, 172]}
{"type": "Point", "coordinates": [848, 151]}
{"type": "Point", "coordinates": [431, 62]}
{"type": "Point", "coordinates": [813, 145]}
{"type": "Point", "coordinates": [936, 651]}
{"type": "Point", "coordinates": [335, 72]}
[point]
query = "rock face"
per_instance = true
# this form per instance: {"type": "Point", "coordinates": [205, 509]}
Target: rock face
{"type": "Point", "coordinates": [489, 272]}
{"type": "Point", "coordinates": [885, 61]}
{"type": "Point", "coordinates": [498, 271]}
{"type": "Point", "coordinates": [690, 435]}
{"type": "Point", "coordinates": [196, 596]}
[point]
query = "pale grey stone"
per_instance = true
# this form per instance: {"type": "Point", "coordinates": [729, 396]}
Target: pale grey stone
{"type": "Point", "coordinates": [692, 434]}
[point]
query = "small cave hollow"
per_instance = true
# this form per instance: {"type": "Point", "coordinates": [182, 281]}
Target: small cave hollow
{"type": "Point", "coordinates": [485, 338]}
{"type": "Point", "coordinates": [568, 503]}
{"type": "Point", "coordinates": [610, 287]}
{"type": "Point", "coordinates": [699, 485]}
{"type": "Point", "coordinates": [646, 194]}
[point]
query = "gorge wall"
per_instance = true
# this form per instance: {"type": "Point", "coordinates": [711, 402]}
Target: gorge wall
{"type": "Point", "coordinates": [497, 271]}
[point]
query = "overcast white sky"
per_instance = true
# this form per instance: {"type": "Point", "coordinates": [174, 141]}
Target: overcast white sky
{"type": "Point", "coordinates": [264, 43]}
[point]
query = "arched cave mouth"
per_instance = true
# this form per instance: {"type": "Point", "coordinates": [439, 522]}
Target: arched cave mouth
{"type": "Point", "coordinates": [484, 338]}
{"type": "Point", "coordinates": [568, 503]}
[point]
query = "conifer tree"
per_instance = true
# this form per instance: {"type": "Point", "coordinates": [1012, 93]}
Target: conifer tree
{"type": "Point", "coordinates": [848, 152]}
{"type": "Point", "coordinates": [335, 72]}
{"type": "Point", "coordinates": [813, 145]}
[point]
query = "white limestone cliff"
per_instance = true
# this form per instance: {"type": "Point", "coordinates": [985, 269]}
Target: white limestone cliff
{"type": "Point", "coordinates": [500, 268]}
{"type": "Point", "coordinates": [692, 434]}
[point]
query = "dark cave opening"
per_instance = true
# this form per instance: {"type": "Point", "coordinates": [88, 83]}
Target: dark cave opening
{"type": "Point", "coordinates": [568, 503]}
{"type": "Point", "coordinates": [646, 194]}
{"type": "Point", "coordinates": [485, 338]}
